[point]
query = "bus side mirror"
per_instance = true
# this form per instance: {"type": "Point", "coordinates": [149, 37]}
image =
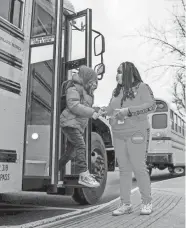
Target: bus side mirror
{"type": "Point", "coordinates": [99, 44]}
{"type": "Point", "coordinates": [100, 70]}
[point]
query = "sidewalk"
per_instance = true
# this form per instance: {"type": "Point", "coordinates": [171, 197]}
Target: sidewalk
{"type": "Point", "coordinates": [168, 204]}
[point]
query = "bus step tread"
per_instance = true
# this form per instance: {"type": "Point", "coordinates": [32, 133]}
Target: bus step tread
{"type": "Point", "coordinates": [74, 185]}
{"type": "Point", "coordinates": [71, 178]}
{"type": "Point", "coordinates": [72, 181]}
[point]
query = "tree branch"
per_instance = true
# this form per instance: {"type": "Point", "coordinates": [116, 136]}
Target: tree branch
{"type": "Point", "coordinates": [164, 43]}
{"type": "Point", "coordinates": [168, 65]}
{"type": "Point", "coordinates": [182, 27]}
{"type": "Point", "coordinates": [183, 4]}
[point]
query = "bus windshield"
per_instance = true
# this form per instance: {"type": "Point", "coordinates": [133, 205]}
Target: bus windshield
{"type": "Point", "coordinates": [160, 118]}
{"type": "Point", "coordinates": [159, 121]}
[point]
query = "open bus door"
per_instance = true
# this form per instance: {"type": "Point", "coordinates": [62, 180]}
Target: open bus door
{"type": "Point", "coordinates": [41, 110]}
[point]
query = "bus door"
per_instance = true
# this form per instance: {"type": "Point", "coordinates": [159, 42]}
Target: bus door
{"type": "Point", "coordinates": [39, 97]}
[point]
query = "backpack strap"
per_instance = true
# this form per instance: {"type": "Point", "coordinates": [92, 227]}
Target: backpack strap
{"type": "Point", "coordinates": [69, 83]}
{"type": "Point", "coordinates": [80, 90]}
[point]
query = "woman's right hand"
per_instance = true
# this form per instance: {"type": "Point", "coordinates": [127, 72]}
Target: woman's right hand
{"type": "Point", "coordinates": [95, 115]}
{"type": "Point", "coordinates": [102, 112]}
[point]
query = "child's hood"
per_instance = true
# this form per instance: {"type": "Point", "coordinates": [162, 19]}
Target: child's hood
{"type": "Point", "coordinates": [85, 75]}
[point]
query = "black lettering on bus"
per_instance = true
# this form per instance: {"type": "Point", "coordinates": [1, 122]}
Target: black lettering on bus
{"type": "Point", "coordinates": [10, 43]}
{"type": "Point", "coordinates": [4, 177]}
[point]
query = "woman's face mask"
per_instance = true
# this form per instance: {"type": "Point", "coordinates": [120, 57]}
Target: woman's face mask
{"type": "Point", "coordinates": [119, 75]}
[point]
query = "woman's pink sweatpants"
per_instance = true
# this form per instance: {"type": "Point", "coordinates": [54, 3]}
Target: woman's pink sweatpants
{"type": "Point", "coordinates": [131, 151]}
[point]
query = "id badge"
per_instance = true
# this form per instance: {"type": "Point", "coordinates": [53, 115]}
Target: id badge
{"type": "Point", "coordinates": [121, 122]}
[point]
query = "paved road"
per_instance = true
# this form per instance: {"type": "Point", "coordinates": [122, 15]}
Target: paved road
{"type": "Point", "coordinates": [55, 205]}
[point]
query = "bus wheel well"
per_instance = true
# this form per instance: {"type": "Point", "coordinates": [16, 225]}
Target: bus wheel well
{"type": "Point", "coordinates": [103, 130]}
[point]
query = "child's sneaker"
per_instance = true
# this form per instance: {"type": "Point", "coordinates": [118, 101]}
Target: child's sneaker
{"type": "Point", "coordinates": [146, 209]}
{"type": "Point", "coordinates": [123, 209]}
{"type": "Point", "coordinates": [88, 180]}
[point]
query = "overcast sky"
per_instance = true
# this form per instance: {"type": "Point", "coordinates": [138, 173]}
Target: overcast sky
{"type": "Point", "coordinates": [116, 19]}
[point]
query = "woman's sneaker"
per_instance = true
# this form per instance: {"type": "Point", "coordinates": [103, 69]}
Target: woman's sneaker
{"type": "Point", "coordinates": [88, 180]}
{"type": "Point", "coordinates": [146, 209]}
{"type": "Point", "coordinates": [123, 209]}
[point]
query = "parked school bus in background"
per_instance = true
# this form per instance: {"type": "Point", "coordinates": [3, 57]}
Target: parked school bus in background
{"type": "Point", "coordinates": [167, 139]}
{"type": "Point", "coordinates": [30, 139]}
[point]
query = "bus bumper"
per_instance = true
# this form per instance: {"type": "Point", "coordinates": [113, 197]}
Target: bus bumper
{"type": "Point", "coordinates": [156, 159]}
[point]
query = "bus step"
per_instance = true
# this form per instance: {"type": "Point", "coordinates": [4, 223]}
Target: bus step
{"type": "Point", "coordinates": [72, 181]}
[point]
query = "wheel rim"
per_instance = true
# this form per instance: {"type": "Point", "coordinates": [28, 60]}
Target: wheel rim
{"type": "Point", "coordinates": [97, 165]}
{"type": "Point", "coordinates": [179, 170]}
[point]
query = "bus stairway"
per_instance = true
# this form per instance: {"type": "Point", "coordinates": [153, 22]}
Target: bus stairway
{"type": "Point", "coordinates": [66, 186]}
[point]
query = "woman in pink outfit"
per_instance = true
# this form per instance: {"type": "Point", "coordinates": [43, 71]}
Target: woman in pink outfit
{"type": "Point", "coordinates": [129, 106]}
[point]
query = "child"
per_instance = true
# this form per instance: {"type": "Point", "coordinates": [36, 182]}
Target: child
{"type": "Point", "coordinates": [74, 120]}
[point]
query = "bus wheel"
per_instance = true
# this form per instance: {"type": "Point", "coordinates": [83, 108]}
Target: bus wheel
{"type": "Point", "coordinates": [179, 170]}
{"type": "Point", "coordinates": [99, 169]}
{"type": "Point", "coordinates": [78, 196]}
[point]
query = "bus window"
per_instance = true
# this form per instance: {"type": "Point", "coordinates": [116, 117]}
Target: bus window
{"type": "Point", "coordinates": [179, 124]}
{"type": "Point", "coordinates": [183, 128]}
{"type": "Point", "coordinates": [159, 121]}
{"type": "Point", "coordinates": [12, 11]}
{"type": "Point", "coordinates": [43, 23]}
{"type": "Point", "coordinates": [40, 110]}
{"type": "Point", "coordinates": [175, 122]}
{"type": "Point", "coordinates": [172, 119]}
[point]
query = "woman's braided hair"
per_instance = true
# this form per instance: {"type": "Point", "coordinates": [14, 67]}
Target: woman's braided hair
{"type": "Point", "coordinates": [128, 70]}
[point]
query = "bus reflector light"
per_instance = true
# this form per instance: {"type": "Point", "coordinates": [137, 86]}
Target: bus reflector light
{"type": "Point", "coordinates": [35, 136]}
{"type": "Point", "coordinates": [158, 134]}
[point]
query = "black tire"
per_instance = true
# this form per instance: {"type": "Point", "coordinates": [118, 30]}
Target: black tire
{"type": "Point", "coordinates": [79, 197]}
{"type": "Point", "coordinates": [99, 168]}
{"type": "Point", "coordinates": [178, 171]}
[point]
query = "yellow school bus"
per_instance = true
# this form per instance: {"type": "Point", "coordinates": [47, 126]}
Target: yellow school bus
{"type": "Point", "coordinates": [42, 42]}
{"type": "Point", "coordinates": [167, 139]}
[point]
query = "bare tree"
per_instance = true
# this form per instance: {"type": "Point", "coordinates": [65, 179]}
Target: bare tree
{"type": "Point", "coordinates": [179, 92]}
{"type": "Point", "coordinates": [171, 42]}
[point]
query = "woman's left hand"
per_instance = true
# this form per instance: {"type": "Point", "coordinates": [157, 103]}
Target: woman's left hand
{"type": "Point", "coordinates": [121, 113]}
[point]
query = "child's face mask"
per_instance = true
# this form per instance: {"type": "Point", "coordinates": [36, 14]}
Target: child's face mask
{"type": "Point", "coordinates": [92, 86]}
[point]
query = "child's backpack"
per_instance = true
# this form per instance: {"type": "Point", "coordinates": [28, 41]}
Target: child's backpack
{"type": "Point", "coordinates": [65, 85]}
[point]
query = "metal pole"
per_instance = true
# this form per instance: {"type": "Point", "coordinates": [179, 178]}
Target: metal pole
{"type": "Point", "coordinates": [54, 140]}
{"type": "Point", "coordinates": [89, 64]}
